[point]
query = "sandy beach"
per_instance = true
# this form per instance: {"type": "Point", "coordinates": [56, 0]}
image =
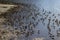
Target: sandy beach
{"type": "Point", "coordinates": [5, 7]}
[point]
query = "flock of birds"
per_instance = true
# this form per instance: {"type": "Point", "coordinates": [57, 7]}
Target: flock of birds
{"type": "Point", "coordinates": [23, 22]}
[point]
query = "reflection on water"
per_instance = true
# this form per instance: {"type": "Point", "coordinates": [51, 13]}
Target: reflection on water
{"type": "Point", "coordinates": [31, 23]}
